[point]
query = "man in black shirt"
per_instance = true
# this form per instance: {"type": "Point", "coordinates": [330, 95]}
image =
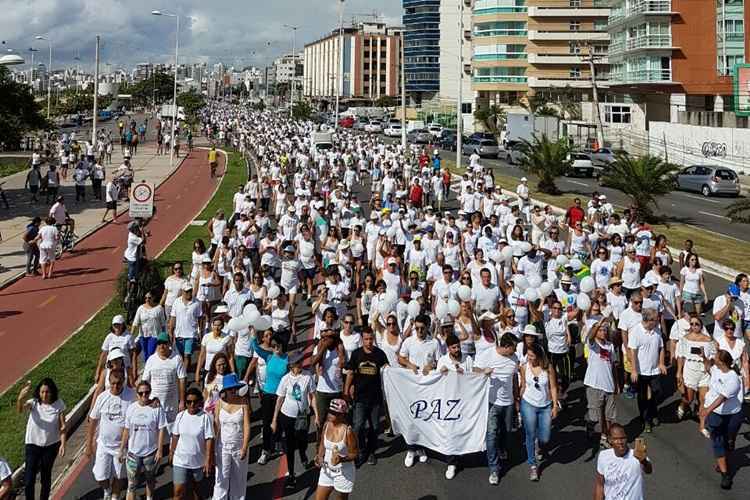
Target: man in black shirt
{"type": "Point", "coordinates": [364, 388]}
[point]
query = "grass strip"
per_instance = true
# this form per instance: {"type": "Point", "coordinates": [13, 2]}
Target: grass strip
{"type": "Point", "coordinates": [72, 365]}
{"type": "Point", "coordinates": [722, 250]}
{"type": "Point", "coordinates": [12, 167]}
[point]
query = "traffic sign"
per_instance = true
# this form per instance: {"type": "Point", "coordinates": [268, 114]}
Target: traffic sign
{"type": "Point", "coordinates": [142, 200]}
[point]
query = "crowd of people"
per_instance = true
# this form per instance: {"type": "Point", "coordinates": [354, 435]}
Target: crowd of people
{"type": "Point", "coordinates": [362, 233]}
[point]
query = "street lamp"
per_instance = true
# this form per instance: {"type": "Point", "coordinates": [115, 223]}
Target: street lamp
{"type": "Point", "coordinates": [294, 65]}
{"type": "Point", "coordinates": [31, 70]}
{"type": "Point", "coordinates": [341, 61]}
{"type": "Point", "coordinates": [11, 60]}
{"type": "Point", "coordinates": [49, 72]}
{"type": "Point", "coordinates": [174, 96]}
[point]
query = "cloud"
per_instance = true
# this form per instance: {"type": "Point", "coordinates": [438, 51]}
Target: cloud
{"type": "Point", "coordinates": [237, 32]}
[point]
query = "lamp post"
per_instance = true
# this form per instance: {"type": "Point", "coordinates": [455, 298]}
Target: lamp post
{"type": "Point", "coordinates": [341, 62]}
{"type": "Point", "coordinates": [49, 72]}
{"type": "Point", "coordinates": [31, 70]}
{"type": "Point", "coordinates": [294, 65]}
{"type": "Point", "coordinates": [174, 96]}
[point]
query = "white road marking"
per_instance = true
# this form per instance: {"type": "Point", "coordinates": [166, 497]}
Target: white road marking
{"type": "Point", "coordinates": [715, 215]}
{"type": "Point", "coordinates": [577, 183]}
{"type": "Point", "coordinates": [701, 198]}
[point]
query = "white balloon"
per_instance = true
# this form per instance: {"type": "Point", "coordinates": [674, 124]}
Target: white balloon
{"type": "Point", "coordinates": [414, 308]}
{"type": "Point", "coordinates": [441, 309]}
{"type": "Point", "coordinates": [252, 316]}
{"type": "Point", "coordinates": [237, 324]}
{"type": "Point", "coordinates": [531, 294]}
{"type": "Point", "coordinates": [464, 293]}
{"type": "Point", "coordinates": [535, 281]}
{"type": "Point", "coordinates": [391, 296]}
{"type": "Point", "coordinates": [385, 306]}
{"type": "Point", "coordinates": [583, 301]}
{"type": "Point", "coordinates": [588, 284]}
{"type": "Point", "coordinates": [248, 308]}
{"type": "Point", "coordinates": [525, 247]}
{"type": "Point", "coordinates": [263, 323]}
{"type": "Point", "coordinates": [545, 289]}
{"type": "Point", "coordinates": [561, 260]}
{"type": "Point", "coordinates": [507, 253]}
{"type": "Point", "coordinates": [274, 292]}
{"type": "Point", "coordinates": [453, 307]}
{"type": "Point", "coordinates": [521, 282]}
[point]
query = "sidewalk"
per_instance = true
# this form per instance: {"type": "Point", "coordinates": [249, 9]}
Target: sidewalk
{"type": "Point", "coordinates": [88, 214]}
{"type": "Point", "coordinates": [43, 314]}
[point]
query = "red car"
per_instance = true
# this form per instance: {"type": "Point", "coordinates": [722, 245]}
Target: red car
{"type": "Point", "coordinates": [346, 122]}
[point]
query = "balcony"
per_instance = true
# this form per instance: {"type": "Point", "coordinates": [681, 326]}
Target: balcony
{"type": "Point", "coordinates": [568, 35]}
{"type": "Point", "coordinates": [562, 59]}
{"type": "Point", "coordinates": [568, 12]}
{"type": "Point", "coordinates": [640, 8]}
{"type": "Point", "coordinates": [575, 83]}
{"type": "Point", "coordinates": [498, 57]}
{"type": "Point", "coordinates": [488, 11]}
{"type": "Point", "coordinates": [491, 32]}
{"type": "Point", "coordinates": [644, 76]}
{"type": "Point", "coordinates": [500, 79]}
{"type": "Point", "coordinates": [644, 42]}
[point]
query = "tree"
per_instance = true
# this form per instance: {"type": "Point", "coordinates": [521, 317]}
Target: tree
{"type": "Point", "coordinates": [546, 160]}
{"type": "Point", "coordinates": [642, 179]}
{"type": "Point", "coordinates": [19, 113]}
{"type": "Point", "coordinates": [192, 101]}
{"type": "Point", "coordinates": [739, 211]}
{"type": "Point", "coordinates": [385, 101]}
{"type": "Point", "coordinates": [301, 110]}
{"type": "Point", "coordinates": [537, 105]}
{"type": "Point", "coordinates": [493, 118]}
{"type": "Point", "coordinates": [158, 87]}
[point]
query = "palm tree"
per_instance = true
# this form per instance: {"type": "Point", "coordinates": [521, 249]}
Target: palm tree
{"type": "Point", "coordinates": [739, 211]}
{"type": "Point", "coordinates": [493, 118]}
{"type": "Point", "coordinates": [643, 179]}
{"type": "Point", "coordinates": [546, 160]}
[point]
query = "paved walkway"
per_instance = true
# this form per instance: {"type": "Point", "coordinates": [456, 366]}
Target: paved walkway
{"type": "Point", "coordinates": [88, 214]}
{"type": "Point", "coordinates": [45, 313]}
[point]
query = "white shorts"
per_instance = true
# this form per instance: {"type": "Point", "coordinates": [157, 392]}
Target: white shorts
{"type": "Point", "coordinates": [292, 289]}
{"type": "Point", "coordinates": [107, 465]}
{"type": "Point", "coordinates": [693, 378]}
{"type": "Point", "coordinates": [46, 255]}
{"type": "Point", "coordinates": [341, 480]}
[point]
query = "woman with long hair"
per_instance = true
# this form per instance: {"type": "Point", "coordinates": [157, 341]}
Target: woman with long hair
{"type": "Point", "coordinates": [692, 374]}
{"type": "Point", "coordinates": [337, 451]}
{"type": "Point", "coordinates": [149, 321]}
{"type": "Point", "coordinates": [466, 328]}
{"type": "Point", "coordinates": [538, 405]}
{"type": "Point", "coordinates": [197, 257]}
{"type": "Point", "coordinates": [277, 365]}
{"type": "Point", "coordinates": [45, 434]}
{"type": "Point", "coordinates": [364, 295]}
{"type": "Point", "coordinates": [207, 287]}
{"type": "Point", "coordinates": [692, 287]}
{"type": "Point", "coordinates": [213, 343]}
{"type": "Point", "coordinates": [214, 380]}
{"type": "Point", "coordinates": [232, 437]}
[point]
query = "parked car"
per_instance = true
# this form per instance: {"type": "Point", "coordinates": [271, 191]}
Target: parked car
{"type": "Point", "coordinates": [709, 180]}
{"type": "Point", "coordinates": [447, 139]}
{"type": "Point", "coordinates": [419, 136]}
{"type": "Point", "coordinates": [482, 135]}
{"type": "Point", "coordinates": [346, 122]}
{"type": "Point", "coordinates": [374, 127]}
{"type": "Point", "coordinates": [360, 123]}
{"type": "Point", "coordinates": [581, 167]}
{"type": "Point", "coordinates": [605, 156]}
{"type": "Point", "coordinates": [393, 130]}
{"type": "Point", "coordinates": [435, 129]}
{"type": "Point", "coordinates": [513, 153]}
{"type": "Point", "coordinates": [482, 147]}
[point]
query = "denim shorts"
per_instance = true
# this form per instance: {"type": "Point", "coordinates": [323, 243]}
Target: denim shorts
{"type": "Point", "coordinates": [184, 346]}
{"type": "Point", "coordinates": [135, 464]}
{"type": "Point", "coordinates": [181, 475]}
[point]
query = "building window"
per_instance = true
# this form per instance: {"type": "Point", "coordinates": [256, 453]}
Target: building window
{"type": "Point", "coordinates": [575, 25]}
{"type": "Point", "coordinates": [575, 73]}
{"type": "Point", "coordinates": [617, 114]}
{"type": "Point", "coordinates": [575, 3]}
{"type": "Point", "coordinates": [600, 25]}
{"type": "Point", "coordinates": [575, 48]}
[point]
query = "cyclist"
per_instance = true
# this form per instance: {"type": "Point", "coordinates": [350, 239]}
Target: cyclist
{"type": "Point", "coordinates": [190, 140]}
{"type": "Point", "coordinates": [62, 217]}
{"type": "Point", "coordinates": [212, 160]}
{"type": "Point", "coordinates": [135, 251]}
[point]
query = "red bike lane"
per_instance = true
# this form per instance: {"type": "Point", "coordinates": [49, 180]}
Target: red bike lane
{"type": "Point", "coordinates": [37, 316]}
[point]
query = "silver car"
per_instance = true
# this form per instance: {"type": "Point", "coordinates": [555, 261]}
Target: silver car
{"type": "Point", "coordinates": [709, 180]}
{"type": "Point", "coordinates": [482, 147]}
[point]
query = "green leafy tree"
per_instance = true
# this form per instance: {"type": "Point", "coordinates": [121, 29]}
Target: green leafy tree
{"type": "Point", "coordinates": [192, 101]}
{"type": "Point", "coordinates": [385, 101]}
{"type": "Point", "coordinates": [739, 211]}
{"type": "Point", "coordinates": [19, 113]}
{"type": "Point", "coordinates": [642, 179]}
{"type": "Point", "coordinates": [158, 87]}
{"type": "Point", "coordinates": [493, 118]}
{"type": "Point", "coordinates": [538, 105]}
{"type": "Point", "coordinates": [546, 160]}
{"type": "Point", "coordinates": [302, 110]}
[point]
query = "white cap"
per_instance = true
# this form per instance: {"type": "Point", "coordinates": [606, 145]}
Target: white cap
{"type": "Point", "coordinates": [118, 320]}
{"type": "Point", "coordinates": [115, 353]}
{"type": "Point", "coordinates": [524, 179]}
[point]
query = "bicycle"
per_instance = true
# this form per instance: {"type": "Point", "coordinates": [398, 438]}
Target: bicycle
{"type": "Point", "coordinates": [66, 241]}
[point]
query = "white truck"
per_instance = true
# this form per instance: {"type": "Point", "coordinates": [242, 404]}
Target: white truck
{"type": "Point", "coordinates": [320, 142]}
{"type": "Point", "coordinates": [520, 127]}
{"type": "Point", "coordinates": [167, 111]}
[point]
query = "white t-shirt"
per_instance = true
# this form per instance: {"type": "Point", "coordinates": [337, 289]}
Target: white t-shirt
{"type": "Point", "coordinates": [124, 342]}
{"type": "Point", "coordinates": [43, 425]}
{"type": "Point", "coordinates": [692, 279]}
{"type": "Point", "coordinates": [556, 331]}
{"type": "Point", "coordinates": [110, 409]}
{"type": "Point", "coordinates": [214, 346]}
{"type": "Point", "coordinates": [728, 385]}
{"type": "Point", "coordinates": [295, 389]}
{"type": "Point", "coordinates": [186, 318]}
{"type": "Point", "coordinates": [504, 371]}
{"type": "Point", "coordinates": [173, 285]}
{"type": "Point", "coordinates": [647, 346]}
{"type": "Point", "coordinates": [420, 352]}
{"type": "Point", "coordinates": [144, 423]}
{"type": "Point", "coordinates": [193, 431]}
{"type": "Point", "coordinates": [486, 297]}
{"type": "Point", "coordinates": [131, 252]}
{"type": "Point", "coordinates": [48, 236]}
{"type": "Point", "coordinates": [623, 479]}
{"type": "Point", "coordinates": [736, 313]}
{"type": "Point", "coordinates": [445, 361]}
{"type": "Point", "coordinates": [599, 367]}
{"type": "Point", "coordinates": [350, 343]}
{"type": "Point", "coordinates": [329, 378]}
{"type": "Point", "coordinates": [163, 375]}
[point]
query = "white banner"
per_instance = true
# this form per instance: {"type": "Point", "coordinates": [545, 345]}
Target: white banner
{"type": "Point", "coordinates": [445, 413]}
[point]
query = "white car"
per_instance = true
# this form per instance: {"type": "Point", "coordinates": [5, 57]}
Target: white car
{"type": "Point", "coordinates": [393, 130]}
{"type": "Point", "coordinates": [435, 129]}
{"type": "Point", "coordinates": [374, 127]}
{"type": "Point", "coordinates": [581, 166]}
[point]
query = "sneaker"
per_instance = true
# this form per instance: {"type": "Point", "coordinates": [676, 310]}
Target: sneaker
{"type": "Point", "coordinates": [649, 428]}
{"type": "Point", "coordinates": [291, 482]}
{"type": "Point", "coordinates": [680, 412]}
{"type": "Point", "coordinates": [263, 459]}
{"type": "Point", "coordinates": [450, 472]}
{"type": "Point", "coordinates": [726, 482]}
{"type": "Point", "coordinates": [603, 442]}
{"type": "Point", "coordinates": [107, 495]}
{"type": "Point", "coordinates": [494, 478]}
{"type": "Point", "coordinates": [422, 456]}
{"type": "Point", "coordinates": [372, 459]}
{"type": "Point", "coordinates": [533, 473]}
{"type": "Point", "coordinates": [538, 453]}
{"type": "Point", "coordinates": [409, 459]}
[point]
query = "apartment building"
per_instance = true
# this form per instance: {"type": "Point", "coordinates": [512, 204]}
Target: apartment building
{"type": "Point", "coordinates": [421, 21]}
{"type": "Point", "coordinates": [563, 35]}
{"type": "Point", "coordinates": [362, 63]}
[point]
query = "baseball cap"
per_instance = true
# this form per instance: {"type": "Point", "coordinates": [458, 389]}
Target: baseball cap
{"type": "Point", "coordinates": [163, 338]}
{"type": "Point", "coordinates": [339, 406]}
{"type": "Point", "coordinates": [115, 353]}
{"type": "Point", "coordinates": [289, 248]}
{"type": "Point", "coordinates": [118, 320]}
{"type": "Point", "coordinates": [733, 290]}
{"type": "Point", "coordinates": [187, 287]}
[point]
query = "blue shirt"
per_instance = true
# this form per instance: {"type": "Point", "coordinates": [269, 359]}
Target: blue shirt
{"type": "Point", "coordinates": [276, 367]}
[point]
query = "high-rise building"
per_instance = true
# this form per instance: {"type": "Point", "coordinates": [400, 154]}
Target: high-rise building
{"type": "Point", "coordinates": [421, 22]}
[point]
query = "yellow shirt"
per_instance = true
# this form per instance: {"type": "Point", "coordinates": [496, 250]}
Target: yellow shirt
{"type": "Point", "coordinates": [212, 156]}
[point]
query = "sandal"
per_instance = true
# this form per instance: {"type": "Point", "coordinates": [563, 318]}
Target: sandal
{"type": "Point", "coordinates": [705, 433]}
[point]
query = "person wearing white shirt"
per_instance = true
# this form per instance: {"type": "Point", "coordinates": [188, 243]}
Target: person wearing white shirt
{"type": "Point", "coordinates": [619, 470]}
{"type": "Point", "coordinates": [108, 418]}
{"type": "Point", "coordinates": [237, 296]}
{"type": "Point", "coordinates": [600, 380]}
{"type": "Point", "coordinates": [192, 449]}
{"type": "Point", "coordinates": [646, 352]}
{"type": "Point", "coordinates": [166, 373]}
{"type": "Point", "coordinates": [486, 295]}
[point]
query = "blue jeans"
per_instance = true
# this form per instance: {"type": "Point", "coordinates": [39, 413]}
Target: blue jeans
{"type": "Point", "coordinates": [499, 425]}
{"type": "Point", "coordinates": [537, 423]}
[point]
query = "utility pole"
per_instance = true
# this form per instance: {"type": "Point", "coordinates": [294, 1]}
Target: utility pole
{"type": "Point", "coordinates": [403, 93]}
{"type": "Point", "coordinates": [96, 93]}
{"type": "Point", "coordinates": [595, 95]}
{"type": "Point", "coordinates": [341, 62]}
{"type": "Point", "coordinates": [459, 114]}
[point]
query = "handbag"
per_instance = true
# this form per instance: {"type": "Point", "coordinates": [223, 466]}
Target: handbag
{"type": "Point", "coordinates": [302, 422]}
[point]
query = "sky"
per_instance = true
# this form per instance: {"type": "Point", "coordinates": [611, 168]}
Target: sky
{"type": "Point", "coordinates": [236, 32]}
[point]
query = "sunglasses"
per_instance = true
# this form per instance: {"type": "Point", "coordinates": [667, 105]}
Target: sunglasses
{"type": "Point", "coordinates": [419, 328]}
{"type": "Point", "coordinates": [637, 301]}
{"type": "Point", "coordinates": [144, 393]}
{"type": "Point", "coordinates": [391, 323]}
{"type": "Point", "coordinates": [179, 268]}
{"type": "Point", "coordinates": [695, 324]}
{"type": "Point", "coordinates": [192, 401]}
{"type": "Point", "coordinates": [536, 383]}
{"type": "Point", "coordinates": [347, 321]}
